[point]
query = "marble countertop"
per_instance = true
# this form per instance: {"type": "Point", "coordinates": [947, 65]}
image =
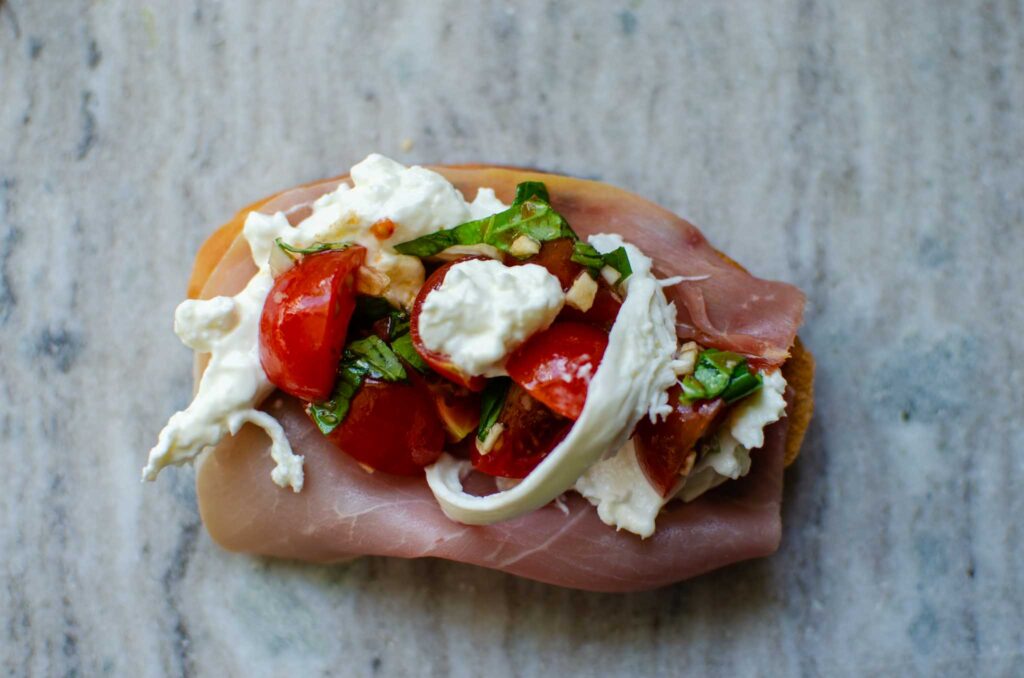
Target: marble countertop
{"type": "Point", "coordinates": [869, 152]}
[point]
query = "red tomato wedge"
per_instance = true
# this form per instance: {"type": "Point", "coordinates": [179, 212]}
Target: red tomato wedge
{"type": "Point", "coordinates": [439, 362]}
{"type": "Point", "coordinates": [305, 320]}
{"type": "Point", "coordinates": [457, 406]}
{"type": "Point", "coordinates": [556, 257]}
{"type": "Point", "coordinates": [662, 448]}
{"type": "Point", "coordinates": [529, 432]}
{"type": "Point", "coordinates": [391, 427]}
{"type": "Point", "coordinates": [556, 365]}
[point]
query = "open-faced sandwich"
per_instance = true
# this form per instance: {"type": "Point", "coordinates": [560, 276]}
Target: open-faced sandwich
{"type": "Point", "coordinates": [556, 379]}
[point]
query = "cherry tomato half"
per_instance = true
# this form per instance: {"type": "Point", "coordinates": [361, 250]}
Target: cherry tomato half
{"type": "Point", "coordinates": [439, 362]}
{"type": "Point", "coordinates": [529, 432]}
{"type": "Point", "coordinates": [662, 447]}
{"type": "Point", "coordinates": [556, 365]}
{"type": "Point", "coordinates": [391, 427]}
{"type": "Point", "coordinates": [305, 320]}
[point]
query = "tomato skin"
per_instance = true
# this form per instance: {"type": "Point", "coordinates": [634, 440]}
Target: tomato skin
{"type": "Point", "coordinates": [391, 427]}
{"type": "Point", "coordinates": [529, 432]}
{"type": "Point", "coordinates": [439, 362]}
{"type": "Point", "coordinates": [662, 447]}
{"type": "Point", "coordinates": [304, 322]}
{"type": "Point", "coordinates": [555, 366]}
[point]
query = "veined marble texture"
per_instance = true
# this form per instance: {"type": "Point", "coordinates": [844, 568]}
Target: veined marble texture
{"type": "Point", "coordinates": [870, 152]}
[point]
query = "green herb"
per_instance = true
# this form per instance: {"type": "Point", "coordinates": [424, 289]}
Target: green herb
{"type": "Point", "coordinates": [692, 389]}
{"type": "Point", "coordinates": [373, 309]}
{"type": "Point", "coordinates": [619, 260]}
{"type": "Point", "coordinates": [530, 214]}
{"type": "Point", "coordinates": [404, 349]}
{"type": "Point", "coordinates": [378, 359]}
{"type": "Point", "coordinates": [312, 249]}
{"type": "Point", "coordinates": [714, 368]}
{"type": "Point", "coordinates": [493, 400]}
{"type": "Point", "coordinates": [587, 255]}
{"type": "Point", "coordinates": [329, 415]}
{"type": "Point", "coordinates": [720, 374]}
{"type": "Point", "coordinates": [743, 383]}
{"type": "Point", "coordinates": [369, 357]}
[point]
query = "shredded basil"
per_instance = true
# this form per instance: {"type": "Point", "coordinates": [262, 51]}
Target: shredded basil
{"type": "Point", "coordinates": [743, 383]}
{"type": "Point", "coordinates": [619, 260]}
{"type": "Point", "coordinates": [329, 415]}
{"type": "Point", "coordinates": [530, 214]}
{"type": "Point", "coordinates": [720, 374]}
{"type": "Point", "coordinates": [369, 357]}
{"type": "Point", "coordinates": [373, 309]}
{"type": "Point", "coordinates": [404, 349]}
{"type": "Point", "coordinates": [587, 255]}
{"type": "Point", "coordinates": [493, 399]}
{"type": "Point", "coordinates": [312, 249]}
{"type": "Point", "coordinates": [380, 361]}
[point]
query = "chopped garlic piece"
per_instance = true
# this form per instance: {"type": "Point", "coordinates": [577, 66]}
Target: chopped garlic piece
{"type": "Point", "coordinates": [524, 246]}
{"type": "Point", "coordinates": [581, 295]}
{"type": "Point", "coordinates": [458, 251]}
{"type": "Point", "coordinates": [686, 359]}
{"type": "Point", "coordinates": [487, 444]}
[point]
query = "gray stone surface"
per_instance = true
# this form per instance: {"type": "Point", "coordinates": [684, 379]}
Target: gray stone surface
{"type": "Point", "coordinates": [868, 151]}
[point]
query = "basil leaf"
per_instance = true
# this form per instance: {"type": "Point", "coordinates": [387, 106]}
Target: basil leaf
{"type": "Point", "coordinates": [585, 254]}
{"type": "Point", "coordinates": [432, 243]}
{"type": "Point", "coordinates": [692, 390]}
{"type": "Point", "coordinates": [328, 415]}
{"type": "Point", "coordinates": [530, 215]}
{"type": "Point", "coordinates": [312, 249]}
{"type": "Point", "coordinates": [713, 379]}
{"type": "Point", "coordinates": [720, 374]}
{"type": "Point", "coordinates": [619, 260]}
{"type": "Point", "coordinates": [404, 349]}
{"type": "Point", "coordinates": [493, 398]}
{"type": "Point", "coordinates": [743, 383]}
{"type": "Point", "coordinates": [528, 190]}
{"type": "Point", "coordinates": [373, 308]}
{"type": "Point", "coordinates": [379, 360]}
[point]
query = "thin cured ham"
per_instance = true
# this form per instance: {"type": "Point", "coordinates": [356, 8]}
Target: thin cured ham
{"type": "Point", "coordinates": [343, 511]}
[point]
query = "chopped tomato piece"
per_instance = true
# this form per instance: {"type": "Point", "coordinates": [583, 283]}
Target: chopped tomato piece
{"type": "Point", "coordinates": [555, 366]}
{"type": "Point", "coordinates": [439, 362]}
{"type": "Point", "coordinates": [304, 322]}
{"type": "Point", "coordinates": [457, 406]}
{"type": "Point", "coordinates": [391, 427]}
{"type": "Point", "coordinates": [662, 447]}
{"type": "Point", "coordinates": [529, 431]}
{"type": "Point", "coordinates": [556, 256]}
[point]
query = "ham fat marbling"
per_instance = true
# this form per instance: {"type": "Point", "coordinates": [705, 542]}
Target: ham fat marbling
{"type": "Point", "coordinates": [343, 511]}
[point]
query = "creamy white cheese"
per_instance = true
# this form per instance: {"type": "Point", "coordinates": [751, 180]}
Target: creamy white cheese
{"type": "Point", "coordinates": [415, 200]}
{"type": "Point", "coordinates": [626, 500]}
{"type": "Point", "coordinates": [631, 381]}
{"type": "Point", "coordinates": [483, 310]}
{"type": "Point", "coordinates": [619, 489]}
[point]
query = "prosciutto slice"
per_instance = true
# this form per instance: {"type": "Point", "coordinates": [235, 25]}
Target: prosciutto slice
{"type": "Point", "coordinates": [344, 511]}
